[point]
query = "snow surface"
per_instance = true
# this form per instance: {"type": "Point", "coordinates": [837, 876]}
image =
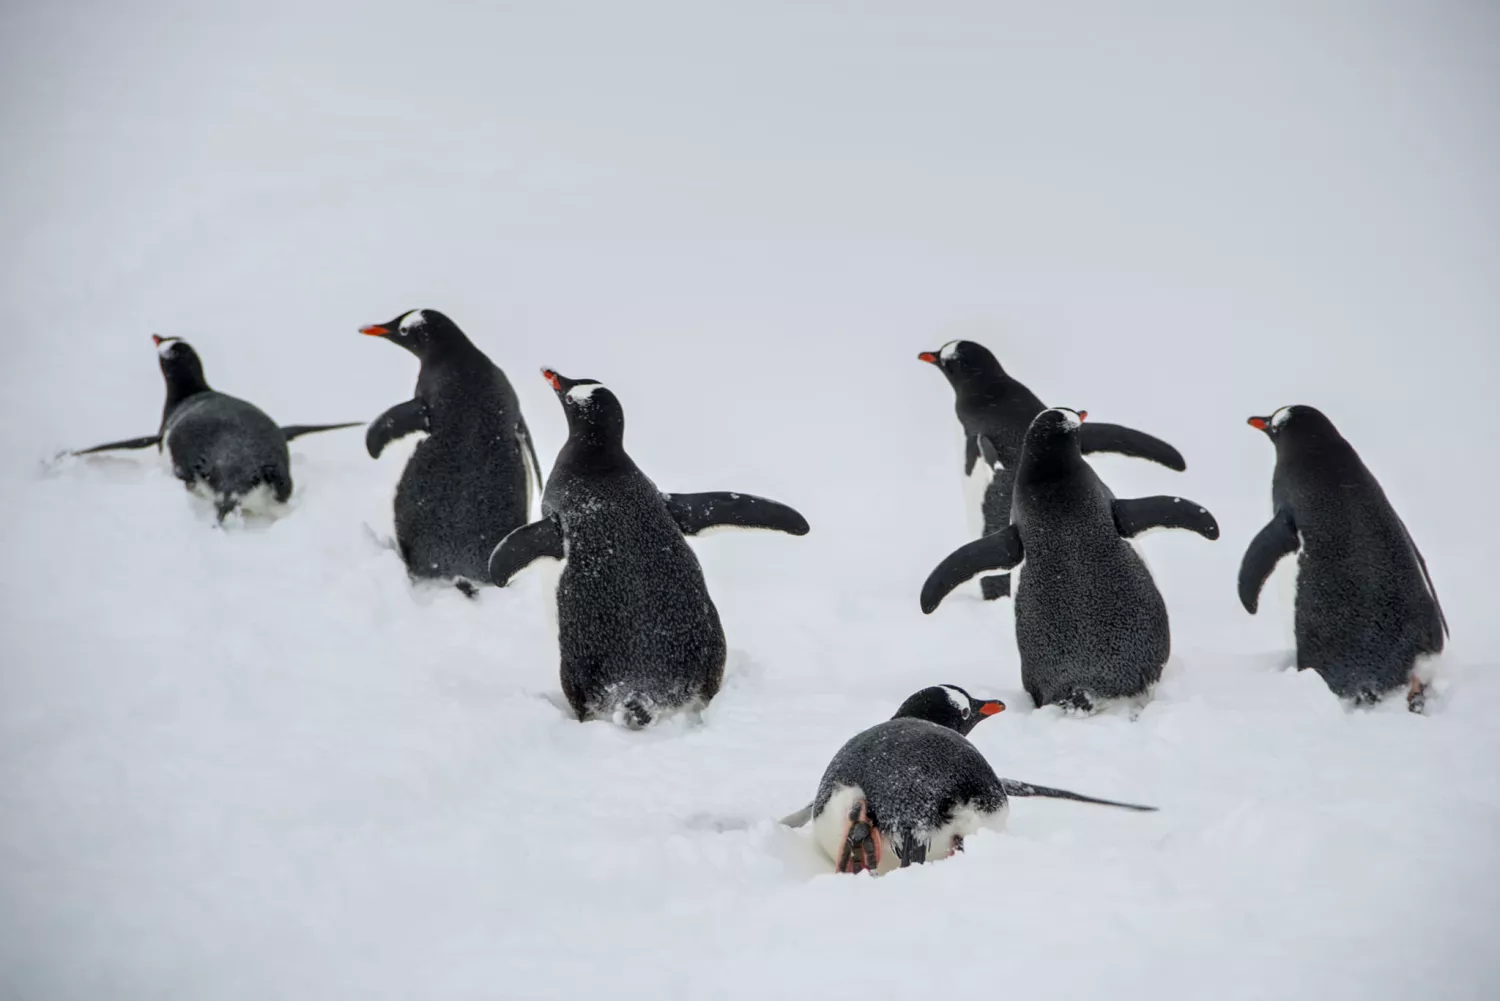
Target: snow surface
{"type": "Point", "coordinates": [255, 763]}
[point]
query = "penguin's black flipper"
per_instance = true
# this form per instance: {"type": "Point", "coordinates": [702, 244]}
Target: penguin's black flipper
{"type": "Point", "coordinates": [397, 422]}
{"type": "Point", "coordinates": [1277, 539]}
{"type": "Point", "coordinates": [1095, 437]}
{"type": "Point", "coordinates": [1014, 788]}
{"type": "Point", "coordinates": [298, 430]}
{"type": "Point", "coordinates": [798, 819]}
{"type": "Point", "coordinates": [1000, 551]}
{"type": "Point", "coordinates": [523, 547]}
{"type": "Point", "coordinates": [145, 442]}
{"type": "Point", "coordinates": [1442, 619]}
{"type": "Point", "coordinates": [695, 513]}
{"type": "Point", "coordinates": [1140, 514]}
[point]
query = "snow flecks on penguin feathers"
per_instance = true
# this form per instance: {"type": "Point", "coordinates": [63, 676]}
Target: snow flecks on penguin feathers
{"type": "Point", "coordinates": [992, 405]}
{"type": "Point", "coordinates": [639, 635]}
{"type": "Point", "coordinates": [911, 789]}
{"type": "Point", "coordinates": [471, 481]}
{"type": "Point", "coordinates": [1090, 622]}
{"type": "Point", "coordinates": [221, 447]}
{"type": "Point", "coordinates": [1366, 611]}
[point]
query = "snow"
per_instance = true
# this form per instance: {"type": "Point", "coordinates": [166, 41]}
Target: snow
{"type": "Point", "coordinates": [255, 762]}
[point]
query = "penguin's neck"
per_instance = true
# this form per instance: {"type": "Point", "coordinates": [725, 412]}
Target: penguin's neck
{"type": "Point", "coordinates": [1053, 461]}
{"type": "Point", "coordinates": [182, 387]}
{"type": "Point", "coordinates": [591, 448]}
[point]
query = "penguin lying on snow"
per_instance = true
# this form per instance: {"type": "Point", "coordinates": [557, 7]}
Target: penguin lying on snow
{"type": "Point", "coordinates": [912, 788]}
{"type": "Point", "coordinates": [220, 446]}
{"type": "Point", "coordinates": [470, 482]}
{"type": "Point", "coordinates": [1365, 608]}
{"type": "Point", "coordinates": [638, 632]}
{"type": "Point", "coordinates": [1090, 622]}
{"type": "Point", "coordinates": [990, 404]}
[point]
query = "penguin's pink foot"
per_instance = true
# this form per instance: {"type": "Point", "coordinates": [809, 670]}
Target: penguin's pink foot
{"type": "Point", "coordinates": [861, 848]}
{"type": "Point", "coordinates": [1416, 695]}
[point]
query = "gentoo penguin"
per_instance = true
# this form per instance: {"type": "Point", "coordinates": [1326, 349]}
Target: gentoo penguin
{"type": "Point", "coordinates": [220, 446]}
{"type": "Point", "coordinates": [1090, 623]}
{"type": "Point", "coordinates": [1365, 608]}
{"type": "Point", "coordinates": [912, 788]}
{"type": "Point", "coordinates": [471, 480]}
{"type": "Point", "coordinates": [639, 635]}
{"type": "Point", "coordinates": [990, 404]}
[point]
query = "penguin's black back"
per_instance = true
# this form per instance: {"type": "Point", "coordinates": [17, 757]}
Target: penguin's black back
{"type": "Point", "coordinates": [1089, 618]}
{"type": "Point", "coordinates": [914, 774]}
{"type": "Point", "coordinates": [465, 486]}
{"type": "Point", "coordinates": [636, 626]}
{"type": "Point", "coordinates": [230, 445]}
{"type": "Point", "coordinates": [1365, 609]}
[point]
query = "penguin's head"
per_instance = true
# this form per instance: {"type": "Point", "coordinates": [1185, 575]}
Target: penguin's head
{"type": "Point", "coordinates": [962, 361]}
{"type": "Point", "coordinates": [594, 413]}
{"type": "Point", "coordinates": [418, 331]}
{"type": "Point", "coordinates": [1055, 426]}
{"type": "Point", "coordinates": [180, 364]}
{"type": "Point", "coordinates": [950, 706]}
{"type": "Point", "coordinates": [1294, 423]}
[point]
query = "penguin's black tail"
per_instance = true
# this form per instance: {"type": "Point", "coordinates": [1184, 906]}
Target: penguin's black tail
{"type": "Point", "coordinates": [635, 712]}
{"type": "Point", "coordinates": [1014, 788]}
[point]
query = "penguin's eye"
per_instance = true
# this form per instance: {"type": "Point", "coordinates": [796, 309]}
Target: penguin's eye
{"type": "Point", "coordinates": [966, 712]}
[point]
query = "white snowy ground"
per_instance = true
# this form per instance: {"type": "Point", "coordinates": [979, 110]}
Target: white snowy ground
{"type": "Point", "coordinates": [257, 764]}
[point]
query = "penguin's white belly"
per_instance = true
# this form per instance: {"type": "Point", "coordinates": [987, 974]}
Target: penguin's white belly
{"type": "Point", "coordinates": [976, 483]}
{"type": "Point", "coordinates": [1284, 585]}
{"type": "Point", "coordinates": [549, 574]}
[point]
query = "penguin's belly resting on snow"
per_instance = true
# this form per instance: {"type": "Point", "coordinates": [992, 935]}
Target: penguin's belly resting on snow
{"type": "Point", "coordinates": [1090, 622]}
{"type": "Point", "coordinates": [995, 411]}
{"type": "Point", "coordinates": [221, 447]}
{"type": "Point", "coordinates": [1366, 612]}
{"type": "Point", "coordinates": [638, 633]}
{"type": "Point", "coordinates": [911, 789]}
{"type": "Point", "coordinates": [470, 482]}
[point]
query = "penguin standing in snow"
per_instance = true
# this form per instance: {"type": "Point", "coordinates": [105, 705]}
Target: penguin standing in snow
{"type": "Point", "coordinates": [909, 790]}
{"type": "Point", "coordinates": [639, 635]}
{"type": "Point", "coordinates": [471, 480]}
{"type": "Point", "coordinates": [990, 404]}
{"type": "Point", "coordinates": [1366, 609]}
{"type": "Point", "coordinates": [221, 447]}
{"type": "Point", "coordinates": [1090, 623]}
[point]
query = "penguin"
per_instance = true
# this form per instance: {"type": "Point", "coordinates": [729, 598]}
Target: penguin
{"type": "Point", "coordinates": [470, 482]}
{"type": "Point", "coordinates": [221, 447]}
{"type": "Point", "coordinates": [639, 636]}
{"type": "Point", "coordinates": [990, 404]}
{"type": "Point", "coordinates": [911, 789]}
{"type": "Point", "coordinates": [1090, 623]}
{"type": "Point", "coordinates": [1366, 609]}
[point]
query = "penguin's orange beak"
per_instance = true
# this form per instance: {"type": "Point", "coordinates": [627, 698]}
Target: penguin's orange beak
{"type": "Point", "coordinates": [1083, 415]}
{"type": "Point", "coordinates": [991, 707]}
{"type": "Point", "coordinates": [552, 380]}
{"type": "Point", "coordinates": [928, 357]}
{"type": "Point", "coordinates": [374, 330]}
{"type": "Point", "coordinates": [156, 339]}
{"type": "Point", "coordinates": [1258, 423]}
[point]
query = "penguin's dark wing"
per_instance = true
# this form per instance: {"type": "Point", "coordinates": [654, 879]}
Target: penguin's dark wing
{"type": "Point", "coordinates": [987, 451]}
{"type": "Point", "coordinates": [798, 819]}
{"type": "Point", "coordinates": [1140, 514]}
{"type": "Point", "coordinates": [397, 422]}
{"type": "Point", "coordinates": [298, 430]}
{"type": "Point", "coordinates": [1094, 437]}
{"type": "Point", "coordinates": [1014, 788]}
{"type": "Point", "coordinates": [535, 481]}
{"type": "Point", "coordinates": [1277, 539]}
{"type": "Point", "coordinates": [145, 442]}
{"type": "Point", "coordinates": [971, 453]}
{"type": "Point", "coordinates": [695, 513]}
{"type": "Point", "coordinates": [539, 540]}
{"type": "Point", "coordinates": [1000, 551]}
{"type": "Point", "coordinates": [1442, 619]}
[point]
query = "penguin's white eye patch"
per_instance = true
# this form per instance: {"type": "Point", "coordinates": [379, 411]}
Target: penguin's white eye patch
{"type": "Point", "coordinates": [582, 392]}
{"type": "Point", "coordinates": [165, 347]}
{"type": "Point", "coordinates": [411, 321]}
{"type": "Point", "coordinates": [947, 351]}
{"type": "Point", "coordinates": [1281, 416]}
{"type": "Point", "coordinates": [959, 701]}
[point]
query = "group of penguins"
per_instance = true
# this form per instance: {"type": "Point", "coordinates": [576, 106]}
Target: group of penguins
{"type": "Point", "coordinates": [640, 637]}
